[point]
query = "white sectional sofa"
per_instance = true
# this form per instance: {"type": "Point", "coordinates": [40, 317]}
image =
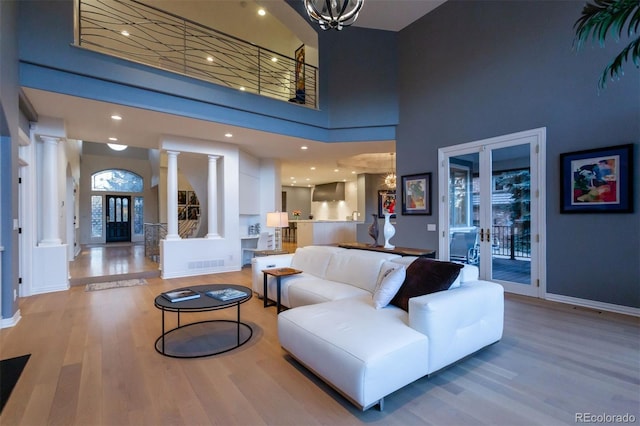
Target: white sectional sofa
{"type": "Point", "coordinates": [364, 352]}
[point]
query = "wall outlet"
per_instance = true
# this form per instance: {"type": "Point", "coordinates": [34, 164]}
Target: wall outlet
{"type": "Point", "coordinates": [431, 226]}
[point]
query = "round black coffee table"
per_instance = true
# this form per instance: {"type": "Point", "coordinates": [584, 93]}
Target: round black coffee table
{"type": "Point", "coordinates": [203, 338]}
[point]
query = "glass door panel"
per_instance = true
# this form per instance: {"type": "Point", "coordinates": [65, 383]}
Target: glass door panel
{"type": "Point", "coordinates": [507, 235]}
{"type": "Point", "coordinates": [490, 208]}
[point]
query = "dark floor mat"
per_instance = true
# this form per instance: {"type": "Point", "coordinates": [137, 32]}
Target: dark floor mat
{"type": "Point", "coordinates": [10, 370]}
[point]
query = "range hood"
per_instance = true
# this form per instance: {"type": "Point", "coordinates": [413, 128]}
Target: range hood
{"type": "Point", "coordinates": [333, 191]}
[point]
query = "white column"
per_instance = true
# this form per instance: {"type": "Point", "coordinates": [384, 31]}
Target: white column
{"type": "Point", "coordinates": [172, 196]}
{"type": "Point", "coordinates": [212, 192]}
{"type": "Point", "coordinates": [50, 198]}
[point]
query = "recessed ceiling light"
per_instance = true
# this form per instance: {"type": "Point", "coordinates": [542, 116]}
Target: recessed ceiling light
{"type": "Point", "coordinates": [113, 139]}
{"type": "Point", "coordinates": [261, 12]}
{"type": "Point", "coordinates": [336, 170]}
{"type": "Point", "coordinates": [125, 33]}
{"type": "Point", "coordinates": [353, 172]}
{"type": "Point", "coordinates": [274, 59]}
{"type": "Point", "coordinates": [308, 179]}
{"type": "Point", "coordinates": [303, 147]}
{"type": "Point", "coordinates": [228, 135]}
{"type": "Point", "coordinates": [242, 88]}
{"type": "Point", "coordinates": [210, 58]}
{"type": "Point", "coordinates": [313, 168]}
{"type": "Point", "coordinates": [117, 147]}
{"type": "Point", "coordinates": [292, 178]}
{"type": "Point", "coordinates": [116, 117]}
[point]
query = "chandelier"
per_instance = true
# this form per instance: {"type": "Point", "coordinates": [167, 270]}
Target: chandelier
{"type": "Point", "coordinates": [333, 14]}
{"type": "Point", "coordinates": [390, 179]}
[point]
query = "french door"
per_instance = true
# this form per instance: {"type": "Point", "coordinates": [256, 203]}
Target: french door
{"type": "Point", "coordinates": [118, 218]}
{"type": "Point", "coordinates": [492, 208]}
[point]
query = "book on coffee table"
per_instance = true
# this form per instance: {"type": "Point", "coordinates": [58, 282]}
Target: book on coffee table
{"type": "Point", "coordinates": [226, 294]}
{"type": "Point", "coordinates": [180, 295]}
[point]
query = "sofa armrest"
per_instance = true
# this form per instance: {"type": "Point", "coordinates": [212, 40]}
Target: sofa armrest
{"type": "Point", "coordinates": [258, 264]}
{"type": "Point", "coordinates": [460, 321]}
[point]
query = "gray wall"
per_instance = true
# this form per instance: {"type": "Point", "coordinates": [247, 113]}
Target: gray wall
{"type": "Point", "coordinates": [298, 198]}
{"type": "Point", "coordinates": [472, 70]}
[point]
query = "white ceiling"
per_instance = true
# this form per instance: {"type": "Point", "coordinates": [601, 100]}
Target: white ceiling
{"type": "Point", "coordinates": [89, 120]}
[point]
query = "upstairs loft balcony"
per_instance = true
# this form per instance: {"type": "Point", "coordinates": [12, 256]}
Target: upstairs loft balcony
{"type": "Point", "coordinates": [143, 34]}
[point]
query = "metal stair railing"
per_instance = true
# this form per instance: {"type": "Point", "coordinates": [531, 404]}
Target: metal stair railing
{"type": "Point", "coordinates": [147, 35]}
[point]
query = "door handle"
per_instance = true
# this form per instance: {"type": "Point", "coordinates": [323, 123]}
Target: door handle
{"type": "Point", "coordinates": [481, 235]}
{"type": "Point", "coordinates": [488, 235]}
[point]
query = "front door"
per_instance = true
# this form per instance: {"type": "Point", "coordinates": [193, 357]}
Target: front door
{"type": "Point", "coordinates": [118, 218]}
{"type": "Point", "coordinates": [491, 212]}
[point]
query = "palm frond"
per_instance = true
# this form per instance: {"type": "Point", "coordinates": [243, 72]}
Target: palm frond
{"type": "Point", "coordinates": [602, 17]}
{"type": "Point", "coordinates": [614, 69]}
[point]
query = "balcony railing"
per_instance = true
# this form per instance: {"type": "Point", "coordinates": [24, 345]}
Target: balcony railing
{"type": "Point", "coordinates": [137, 32]}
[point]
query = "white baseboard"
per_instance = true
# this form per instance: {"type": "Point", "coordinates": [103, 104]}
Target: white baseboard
{"type": "Point", "coordinates": [601, 306]}
{"type": "Point", "coordinates": [10, 322]}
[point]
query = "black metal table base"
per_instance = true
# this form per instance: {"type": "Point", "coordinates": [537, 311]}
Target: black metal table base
{"type": "Point", "coordinates": [203, 338]}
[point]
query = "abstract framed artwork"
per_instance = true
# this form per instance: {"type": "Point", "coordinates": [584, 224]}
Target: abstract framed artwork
{"type": "Point", "coordinates": [597, 180]}
{"type": "Point", "coordinates": [416, 194]}
{"type": "Point", "coordinates": [386, 203]}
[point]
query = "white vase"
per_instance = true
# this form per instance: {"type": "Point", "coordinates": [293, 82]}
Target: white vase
{"type": "Point", "coordinates": [389, 231]}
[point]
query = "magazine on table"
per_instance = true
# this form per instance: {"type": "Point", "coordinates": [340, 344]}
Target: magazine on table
{"type": "Point", "coordinates": [180, 295]}
{"type": "Point", "coordinates": [226, 294]}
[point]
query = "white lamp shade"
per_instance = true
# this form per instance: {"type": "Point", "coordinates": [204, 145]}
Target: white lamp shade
{"type": "Point", "coordinates": [278, 220]}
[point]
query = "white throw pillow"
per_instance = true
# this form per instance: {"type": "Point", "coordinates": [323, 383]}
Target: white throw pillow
{"type": "Point", "coordinates": [389, 286]}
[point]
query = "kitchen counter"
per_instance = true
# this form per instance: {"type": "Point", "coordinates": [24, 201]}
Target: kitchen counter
{"type": "Point", "coordinates": [322, 220]}
{"type": "Point", "coordinates": [323, 232]}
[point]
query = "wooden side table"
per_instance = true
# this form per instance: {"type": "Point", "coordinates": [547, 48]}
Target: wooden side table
{"type": "Point", "coordinates": [278, 273]}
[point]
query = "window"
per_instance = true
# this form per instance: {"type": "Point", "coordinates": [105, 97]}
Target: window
{"type": "Point", "coordinates": [115, 180]}
{"type": "Point", "coordinates": [138, 215]}
{"type": "Point", "coordinates": [96, 216]}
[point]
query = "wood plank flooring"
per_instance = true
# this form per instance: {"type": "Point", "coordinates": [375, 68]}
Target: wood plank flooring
{"type": "Point", "coordinates": [93, 363]}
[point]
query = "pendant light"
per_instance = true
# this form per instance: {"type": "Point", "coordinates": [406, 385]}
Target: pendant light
{"type": "Point", "coordinates": [333, 14]}
{"type": "Point", "coordinates": [390, 179]}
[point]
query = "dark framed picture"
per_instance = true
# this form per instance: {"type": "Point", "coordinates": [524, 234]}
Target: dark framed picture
{"type": "Point", "coordinates": [386, 203]}
{"type": "Point", "coordinates": [416, 194]}
{"type": "Point", "coordinates": [182, 197]}
{"type": "Point", "coordinates": [193, 199]}
{"type": "Point", "coordinates": [194, 213]}
{"type": "Point", "coordinates": [597, 180]}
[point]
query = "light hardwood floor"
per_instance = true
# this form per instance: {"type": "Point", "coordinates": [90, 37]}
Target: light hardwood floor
{"type": "Point", "coordinates": [93, 363]}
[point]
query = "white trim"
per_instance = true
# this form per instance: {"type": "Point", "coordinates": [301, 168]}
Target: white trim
{"type": "Point", "coordinates": [601, 306]}
{"type": "Point", "coordinates": [10, 322]}
{"type": "Point", "coordinates": [536, 138]}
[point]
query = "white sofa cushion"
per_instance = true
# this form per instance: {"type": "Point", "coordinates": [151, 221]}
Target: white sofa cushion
{"type": "Point", "coordinates": [359, 268]}
{"type": "Point", "coordinates": [364, 352]}
{"type": "Point", "coordinates": [388, 286]}
{"type": "Point", "coordinates": [314, 259]}
{"type": "Point", "coordinates": [308, 290]}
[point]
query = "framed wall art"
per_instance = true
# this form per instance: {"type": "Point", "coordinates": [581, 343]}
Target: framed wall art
{"type": "Point", "coordinates": [386, 203]}
{"type": "Point", "coordinates": [597, 180]}
{"type": "Point", "coordinates": [416, 194]}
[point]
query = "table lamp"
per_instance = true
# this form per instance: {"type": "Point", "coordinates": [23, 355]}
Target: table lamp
{"type": "Point", "coordinates": [278, 220]}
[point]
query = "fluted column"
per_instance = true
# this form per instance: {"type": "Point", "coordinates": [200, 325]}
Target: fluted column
{"type": "Point", "coordinates": [172, 196]}
{"type": "Point", "coordinates": [212, 192]}
{"type": "Point", "coordinates": [50, 198]}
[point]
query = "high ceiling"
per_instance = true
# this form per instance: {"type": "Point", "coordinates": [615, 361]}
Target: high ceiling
{"type": "Point", "coordinates": [89, 120]}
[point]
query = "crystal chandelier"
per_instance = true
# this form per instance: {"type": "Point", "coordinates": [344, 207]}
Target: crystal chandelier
{"type": "Point", "coordinates": [333, 14]}
{"type": "Point", "coordinates": [390, 179]}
